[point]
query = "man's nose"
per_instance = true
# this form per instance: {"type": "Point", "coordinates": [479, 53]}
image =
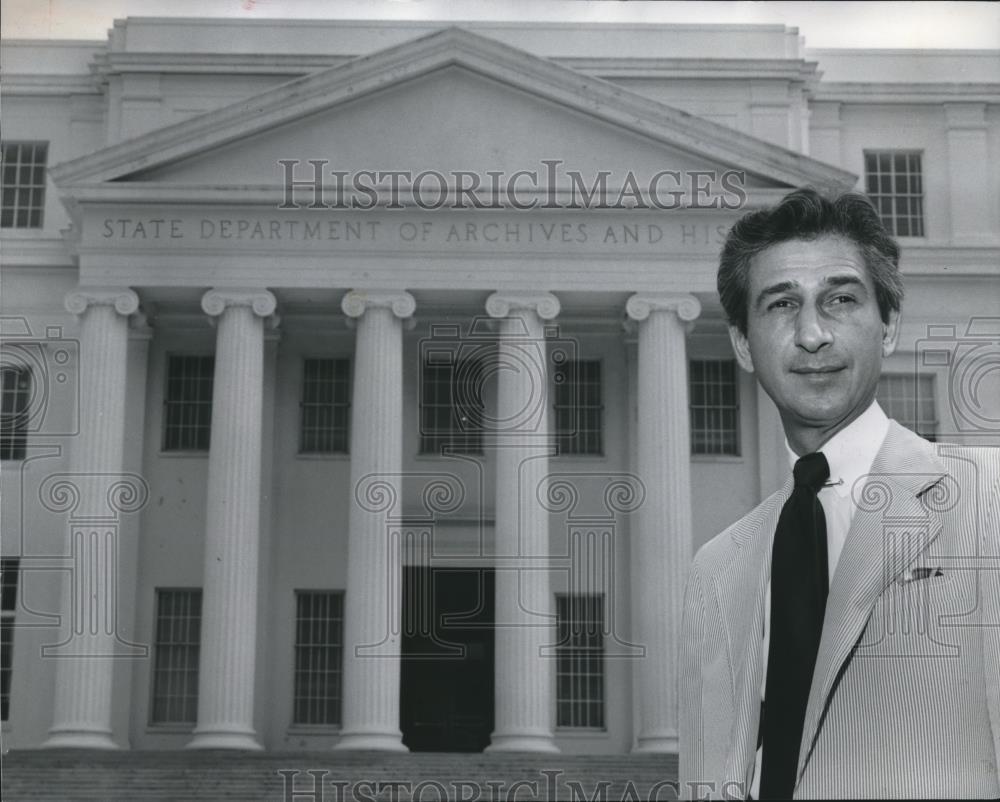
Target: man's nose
{"type": "Point", "coordinates": [812, 330]}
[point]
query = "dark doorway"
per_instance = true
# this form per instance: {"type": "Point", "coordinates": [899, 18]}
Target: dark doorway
{"type": "Point", "coordinates": [446, 694]}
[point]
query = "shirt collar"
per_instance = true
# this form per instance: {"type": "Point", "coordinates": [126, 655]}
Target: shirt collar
{"type": "Point", "coordinates": [851, 451]}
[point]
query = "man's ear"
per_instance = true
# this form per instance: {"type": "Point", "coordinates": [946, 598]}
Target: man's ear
{"type": "Point", "coordinates": [742, 348]}
{"type": "Point", "coordinates": [890, 333]}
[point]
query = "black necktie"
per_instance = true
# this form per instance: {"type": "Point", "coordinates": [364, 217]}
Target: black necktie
{"type": "Point", "coordinates": [799, 584]}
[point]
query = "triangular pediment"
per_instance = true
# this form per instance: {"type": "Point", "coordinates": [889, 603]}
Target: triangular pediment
{"type": "Point", "coordinates": [448, 102]}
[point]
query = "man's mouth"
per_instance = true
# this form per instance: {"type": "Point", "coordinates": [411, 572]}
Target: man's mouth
{"type": "Point", "coordinates": [816, 370]}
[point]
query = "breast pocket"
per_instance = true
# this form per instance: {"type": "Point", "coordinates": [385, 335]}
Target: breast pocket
{"type": "Point", "coordinates": [922, 617]}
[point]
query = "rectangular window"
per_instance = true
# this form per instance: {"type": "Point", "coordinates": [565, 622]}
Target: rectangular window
{"type": "Point", "coordinates": [15, 395]}
{"type": "Point", "coordinates": [325, 406]}
{"type": "Point", "coordinates": [23, 167]}
{"type": "Point", "coordinates": [579, 412]}
{"type": "Point", "coordinates": [319, 640]}
{"type": "Point", "coordinates": [175, 656]}
{"type": "Point", "coordinates": [909, 400]}
{"type": "Point", "coordinates": [8, 591]}
{"type": "Point", "coordinates": [188, 403]}
{"type": "Point", "coordinates": [580, 660]}
{"type": "Point", "coordinates": [715, 406]}
{"type": "Point", "coordinates": [451, 407]}
{"type": "Point", "coordinates": [894, 182]}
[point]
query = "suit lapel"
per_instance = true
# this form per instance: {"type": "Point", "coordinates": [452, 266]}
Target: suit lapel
{"type": "Point", "coordinates": [890, 529]}
{"type": "Point", "coordinates": [740, 589]}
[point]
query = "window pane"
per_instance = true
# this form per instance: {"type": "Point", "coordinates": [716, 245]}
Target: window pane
{"type": "Point", "coordinates": [324, 406]}
{"type": "Point", "coordinates": [15, 397]}
{"type": "Point", "coordinates": [23, 184]}
{"type": "Point", "coordinates": [188, 403]}
{"type": "Point", "coordinates": [909, 399]}
{"type": "Point", "coordinates": [714, 406]}
{"type": "Point", "coordinates": [318, 657]}
{"type": "Point", "coordinates": [451, 405]}
{"type": "Point", "coordinates": [580, 700]}
{"type": "Point", "coordinates": [894, 182]}
{"type": "Point", "coordinates": [8, 590]}
{"type": "Point", "coordinates": [579, 408]}
{"type": "Point", "coordinates": [175, 656]}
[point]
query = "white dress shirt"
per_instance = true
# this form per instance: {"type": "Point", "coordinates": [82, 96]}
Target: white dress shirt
{"type": "Point", "coordinates": [850, 454]}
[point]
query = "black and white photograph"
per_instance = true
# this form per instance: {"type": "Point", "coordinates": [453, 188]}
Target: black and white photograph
{"type": "Point", "coordinates": [554, 401]}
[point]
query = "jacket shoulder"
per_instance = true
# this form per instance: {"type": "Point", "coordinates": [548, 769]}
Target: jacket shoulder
{"type": "Point", "coordinates": [717, 550]}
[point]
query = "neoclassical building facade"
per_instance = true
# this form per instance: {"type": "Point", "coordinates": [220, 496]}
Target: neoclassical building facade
{"type": "Point", "coordinates": [365, 385]}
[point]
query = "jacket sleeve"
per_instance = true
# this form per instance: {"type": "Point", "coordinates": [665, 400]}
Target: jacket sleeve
{"type": "Point", "coordinates": [990, 593]}
{"type": "Point", "coordinates": [690, 686]}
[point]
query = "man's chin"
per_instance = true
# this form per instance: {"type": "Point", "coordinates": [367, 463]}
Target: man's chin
{"type": "Point", "coordinates": [829, 418]}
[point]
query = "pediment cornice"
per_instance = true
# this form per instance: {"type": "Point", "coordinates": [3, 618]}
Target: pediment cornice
{"type": "Point", "coordinates": [594, 97]}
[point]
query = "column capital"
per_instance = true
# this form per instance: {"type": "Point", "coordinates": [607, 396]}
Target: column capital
{"type": "Point", "coordinates": [123, 299]}
{"type": "Point", "coordinates": [684, 305]}
{"type": "Point", "coordinates": [544, 304]}
{"type": "Point", "coordinates": [217, 300]}
{"type": "Point", "coordinates": [357, 302]}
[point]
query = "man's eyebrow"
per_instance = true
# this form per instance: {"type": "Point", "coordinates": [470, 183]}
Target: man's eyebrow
{"type": "Point", "coordinates": [775, 289]}
{"type": "Point", "coordinates": [841, 280]}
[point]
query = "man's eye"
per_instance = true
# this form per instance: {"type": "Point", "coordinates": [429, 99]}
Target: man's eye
{"type": "Point", "coordinates": [843, 299]}
{"type": "Point", "coordinates": [781, 303]}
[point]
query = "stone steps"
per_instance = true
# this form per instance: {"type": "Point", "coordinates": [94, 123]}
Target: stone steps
{"type": "Point", "coordinates": [89, 776]}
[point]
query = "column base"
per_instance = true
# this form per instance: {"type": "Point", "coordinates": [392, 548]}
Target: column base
{"type": "Point", "coordinates": [522, 742]}
{"type": "Point", "coordinates": [225, 739]}
{"type": "Point", "coordinates": [664, 743]}
{"type": "Point", "coordinates": [74, 738]}
{"type": "Point", "coordinates": [379, 741]}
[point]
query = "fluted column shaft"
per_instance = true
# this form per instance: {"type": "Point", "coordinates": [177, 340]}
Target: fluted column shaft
{"type": "Point", "coordinates": [525, 624]}
{"type": "Point", "coordinates": [232, 523]}
{"type": "Point", "coordinates": [372, 645]}
{"type": "Point", "coordinates": [84, 671]}
{"type": "Point", "coordinates": [662, 542]}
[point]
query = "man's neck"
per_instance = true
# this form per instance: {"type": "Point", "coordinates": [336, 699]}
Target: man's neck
{"type": "Point", "coordinates": [804, 439]}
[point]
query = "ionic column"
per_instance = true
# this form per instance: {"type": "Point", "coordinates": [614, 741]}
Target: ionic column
{"type": "Point", "coordinates": [232, 522]}
{"type": "Point", "coordinates": [662, 541]}
{"type": "Point", "coordinates": [372, 645]}
{"type": "Point", "coordinates": [85, 667]}
{"type": "Point", "coordinates": [525, 621]}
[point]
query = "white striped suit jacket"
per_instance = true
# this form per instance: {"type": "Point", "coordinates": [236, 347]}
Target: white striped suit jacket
{"type": "Point", "coordinates": [905, 698]}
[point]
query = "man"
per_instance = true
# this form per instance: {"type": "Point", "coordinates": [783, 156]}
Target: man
{"type": "Point", "coordinates": [843, 638]}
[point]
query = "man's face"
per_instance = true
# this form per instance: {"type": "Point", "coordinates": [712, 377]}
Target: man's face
{"type": "Point", "coordinates": [814, 337]}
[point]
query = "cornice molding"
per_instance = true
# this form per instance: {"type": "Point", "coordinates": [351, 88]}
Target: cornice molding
{"type": "Point", "coordinates": [793, 69]}
{"type": "Point", "coordinates": [48, 85]}
{"type": "Point", "coordinates": [790, 69]}
{"type": "Point", "coordinates": [35, 251]}
{"type": "Point", "coordinates": [896, 93]}
{"type": "Point", "coordinates": [292, 65]}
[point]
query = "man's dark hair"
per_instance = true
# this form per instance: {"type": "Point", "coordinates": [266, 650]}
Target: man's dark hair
{"type": "Point", "coordinates": [805, 214]}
